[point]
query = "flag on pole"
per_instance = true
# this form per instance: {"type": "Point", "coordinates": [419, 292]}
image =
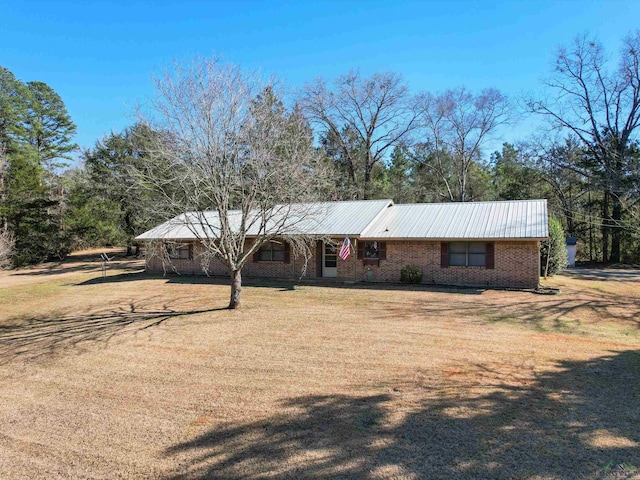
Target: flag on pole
{"type": "Point", "coordinates": [345, 250]}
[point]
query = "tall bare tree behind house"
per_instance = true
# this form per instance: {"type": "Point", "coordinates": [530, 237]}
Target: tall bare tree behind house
{"type": "Point", "coordinates": [378, 111]}
{"type": "Point", "coordinates": [455, 125]}
{"type": "Point", "coordinates": [600, 106]}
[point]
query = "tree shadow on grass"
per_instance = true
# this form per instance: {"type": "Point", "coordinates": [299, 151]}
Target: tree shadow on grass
{"type": "Point", "coordinates": [566, 313]}
{"type": "Point", "coordinates": [579, 421]}
{"type": "Point", "coordinates": [94, 265]}
{"type": "Point", "coordinates": [543, 313]}
{"type": "Point", "coordinates": [600, 274]}
{"type": "Point", "coordinates": [49, 335]}
{"type": "Point", "coordinates": [282, 284]}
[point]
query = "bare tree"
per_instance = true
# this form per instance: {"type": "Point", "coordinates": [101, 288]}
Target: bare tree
{"type": "Point", "coordinates": [365, 117]}
{"type": "Point", "coordinates": [456, 124]}
{"type": "Point", "coordinates": [7, 249]}
{"type": "Point", "coordinates": [601, 108]}
{"type": "Point", "coordinates": [550, 160]}
{"type": "Point", "coordinates": [7, 243]}
{"type": "Point", "coordinates": [4, 166]}
{"type": "Point", "coordinates": [231, 161]}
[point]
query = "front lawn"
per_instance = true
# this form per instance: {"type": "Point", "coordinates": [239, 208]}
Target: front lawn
{"type": "Point", "coordinates": [137, 376]}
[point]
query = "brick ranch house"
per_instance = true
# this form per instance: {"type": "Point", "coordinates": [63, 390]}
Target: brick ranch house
{"type": "Point", "coordinates": [494, 244]}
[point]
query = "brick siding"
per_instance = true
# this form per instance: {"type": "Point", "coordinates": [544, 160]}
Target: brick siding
{"type": "Point", "coordinates": [517, 264]}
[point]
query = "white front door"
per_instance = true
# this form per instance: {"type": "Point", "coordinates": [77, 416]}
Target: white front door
{"type": "Point", "coordinates": [330, 260]}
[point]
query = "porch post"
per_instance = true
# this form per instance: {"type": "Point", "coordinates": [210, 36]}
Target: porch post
{"type": "Point", "coordinates": [355, 260]}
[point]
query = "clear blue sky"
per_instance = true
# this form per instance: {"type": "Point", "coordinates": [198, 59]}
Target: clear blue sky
{"type": "Point", "coordinates": [100, 56]}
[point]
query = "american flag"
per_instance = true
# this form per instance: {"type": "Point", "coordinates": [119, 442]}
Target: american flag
{"type": "Point", "coordinates": [345, 250]}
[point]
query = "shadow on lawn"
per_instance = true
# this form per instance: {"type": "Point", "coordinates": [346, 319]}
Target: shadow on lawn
{"type": "Point", "coordinates": [564, 313]}
{"type": "Point", "coordinates": [546, 313]}
{"type": "Point", "coordinates": [600, 274]}
{"type": "Point", "coordinates": [580, 421]}
{"type": "Point", "coordinates": [283, 284]}
{"type": "Point", "coordinates": [568, 312]}
{"type": "Point", "coordinates": [58, 269]}
{"type": "Point", "coordinates": [50, 335]}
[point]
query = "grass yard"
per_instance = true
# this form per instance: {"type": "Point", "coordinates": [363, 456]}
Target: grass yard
{"type": "Point", "coordinates": [136, 376]}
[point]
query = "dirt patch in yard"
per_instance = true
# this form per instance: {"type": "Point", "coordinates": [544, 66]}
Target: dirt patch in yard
{"type": "Point", "coordinates": [136, 376]}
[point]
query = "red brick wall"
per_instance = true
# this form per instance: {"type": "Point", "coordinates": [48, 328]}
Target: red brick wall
{"type": "Point", "coordinates": [516, 265]}
{"type": "Point", "coordinates": [217, 268]}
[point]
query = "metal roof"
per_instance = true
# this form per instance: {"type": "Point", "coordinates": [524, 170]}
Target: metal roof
{"type": "Point", "coordinates": [516, 219]}
{"type": "Point", "coordinates": [321, 218]}
{"type": "Point", "coordinates": [374, 219]}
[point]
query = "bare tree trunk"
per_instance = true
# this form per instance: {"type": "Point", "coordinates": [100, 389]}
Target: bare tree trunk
{"type": "Point", "coordinates": [546, 267]}
{"type": "Point", "coordinates": [590, 228]}
{"type": "Point", "coordinates": [463, 181]}
{"type": "Point", "coordinates": [569, 213]}
{"type": "Point", "coordinates": [3, 167]}
{"type": "Point", "coordinates": [616, 216]}
{"type": "Point", "coordinates": [366, 195]}
{"type": "Point", "coordinates": [236, 289]}
{"type": "Point", "coordinates": [605, 227]}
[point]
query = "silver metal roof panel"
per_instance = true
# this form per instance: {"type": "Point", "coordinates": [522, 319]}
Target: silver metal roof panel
{"type": "Point", "coordinates": [375, 219]}
{"type": "Point", "coordinates": [321, 218]}
{"type": "Point", "coordinates": [515, 219]}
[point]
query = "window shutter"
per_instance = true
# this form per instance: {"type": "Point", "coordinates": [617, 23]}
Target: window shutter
{"type": "Point", "coordinates": [256, 256]}
{"type": "Point", "coordinates": [360, 250]}
{"type": "Point", "coordinates": [382, 248]}
{"type": "Point", "coordinates": [319, 258]}
{"type": "Point", "coordinates": [287, 252]}
{"type": "Point", "coordinates": [191, 251]}
{"type": "Point", "coordinates": [444, 255]}
{"type": "Point", "coordinates": [491, 257]}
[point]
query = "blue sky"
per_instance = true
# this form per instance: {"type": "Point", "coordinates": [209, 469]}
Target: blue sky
{"type": "Point", "coordinates": [100, 56]}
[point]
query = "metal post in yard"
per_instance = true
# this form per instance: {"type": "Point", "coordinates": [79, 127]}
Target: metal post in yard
{"type": "Point", "coordinates": [355, 260]}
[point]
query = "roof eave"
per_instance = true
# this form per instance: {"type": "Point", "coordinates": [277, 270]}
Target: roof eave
{"type": "Point", "coordinates": [457, 239]}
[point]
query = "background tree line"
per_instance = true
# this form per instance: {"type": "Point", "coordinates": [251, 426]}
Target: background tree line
{"type": "Point", "coordinates": [375, 138]}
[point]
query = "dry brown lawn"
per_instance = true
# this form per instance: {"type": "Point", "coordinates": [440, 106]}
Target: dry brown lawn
{"type": "Point", "coordinates": [137, 376]}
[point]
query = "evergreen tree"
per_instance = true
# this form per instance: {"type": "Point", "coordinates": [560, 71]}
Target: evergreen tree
{"type": "Point", "coordinates": [553, 251]}
{"type": "Point", "coordinates": [511, 177]}
{"type": "Point", "coordinates": [27, 206]}
{"type": "Point", "coordinates": [399, 175]}
{"type": "Point", "coordinates": [12, 111]}
{"type": "Point", "coordinates": [49, 129]}
{"type": "Point", "coordinates": [107, 205]}
{"type": "Point", "coordinates": [35, 132]}
{"type": "Point", "coordinates": [91, 219]}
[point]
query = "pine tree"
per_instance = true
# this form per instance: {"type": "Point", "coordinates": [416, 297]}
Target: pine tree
{"type": "Point", "coordinates": [35, 134]}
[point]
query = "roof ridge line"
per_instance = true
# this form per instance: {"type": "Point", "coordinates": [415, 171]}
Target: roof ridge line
{"type": "Point", "coordinates": [470, 203]}
{"type": "Point", "coordinates": [374, 219]}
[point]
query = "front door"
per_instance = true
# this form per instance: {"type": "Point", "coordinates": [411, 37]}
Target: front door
{"type": "Point", "coordinates": [330, 260]}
